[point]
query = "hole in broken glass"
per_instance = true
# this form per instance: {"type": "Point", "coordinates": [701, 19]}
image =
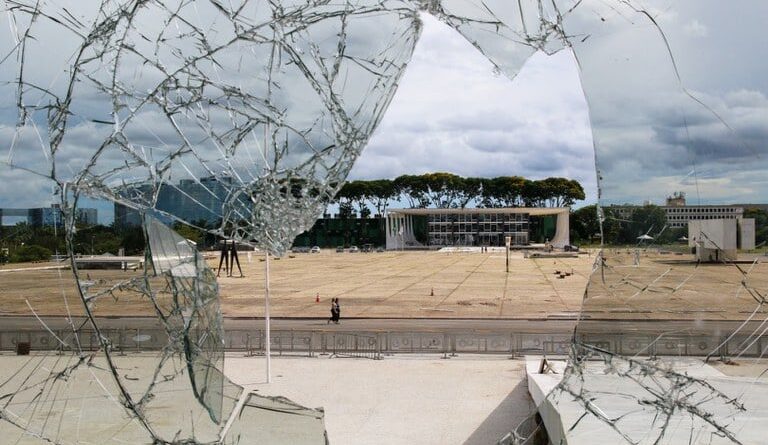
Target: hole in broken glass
{"type": "Point", "coordinates": [171, 104]}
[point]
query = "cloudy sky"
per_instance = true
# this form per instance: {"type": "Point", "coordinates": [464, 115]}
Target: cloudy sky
{"type": "Point", "coordinates": [453, 113]}
{"type": "Point", "coordinates": [691, 116]}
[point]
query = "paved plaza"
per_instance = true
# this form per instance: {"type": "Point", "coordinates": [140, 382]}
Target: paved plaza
{"type": "Point", "coordinates": [430, 285]}
{"type": "Point", "coordinates": [411, 284]}
{"type": "Point", "coordinates": [385, 284]}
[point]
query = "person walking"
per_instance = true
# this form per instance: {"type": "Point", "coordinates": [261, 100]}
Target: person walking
{"type": "Point", "coordinates": [334, 312]}
{"type": "Point", "coordinates": [338, 311]}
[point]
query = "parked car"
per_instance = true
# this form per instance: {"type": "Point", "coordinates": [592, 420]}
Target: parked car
{"type": "Point", "coordinates": [353, 249]}
{"type": "Point", "coordinates": [314, 249]}
{"type": "Point", "coordinates": [367, 248]}
{"type": "Point", "coordinates": [340, 249]}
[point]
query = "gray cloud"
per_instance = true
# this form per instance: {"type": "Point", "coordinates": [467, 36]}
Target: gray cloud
{"type": "Point", "coordinates": [453, 113]}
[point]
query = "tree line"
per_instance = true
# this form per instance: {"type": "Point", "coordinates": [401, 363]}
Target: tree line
{"type": "Point", "coordinates": [24, 242]}
{"type": "Point", "coordinates": [648, 219]}
{"type": "Point", "coordinates": [447, 190]}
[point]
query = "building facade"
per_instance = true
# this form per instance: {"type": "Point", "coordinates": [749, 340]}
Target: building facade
{"type": "Point", "coordinates": [679, 213]}
{"type": "Point", "coordinates": [87, 216]}
{"type": "Point", "coordinates": [190, 200]}
{"type": "Point", "coordinates": [50, 216]}
{"type": "Point", "coordinates": [678, 217]}
{"type": "Point", "coordinates": [470, 227]}
{"type": "Point", "coordinates": [715, 240]}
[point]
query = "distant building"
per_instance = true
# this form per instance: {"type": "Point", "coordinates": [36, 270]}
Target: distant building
{"type": "Point", "coordinates": [472, 227]}
{"type": "Point", "coordinates": [676, 200]}
{"type": "Point", "coordinates": [679, 213]}
{"type": "Point", "coordinates": [50, 216]}
{"type": "Point", "coordinates": [126, 216]}
{"type": "Point", "coordinates": [14, 214]}
{"type": "Point", "coordinates": [87, 217]}
{"type": "Point", "coordinates": [190, 200]}
{"type": "Point", "coordinates": [719, 239]}
{"type": "Point", "coordinates": [678, 217]}
{"type": "Point", "coordinates": [46, 217]}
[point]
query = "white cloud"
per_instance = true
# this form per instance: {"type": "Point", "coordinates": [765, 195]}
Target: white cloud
{"type": "Point", "coordinates": [695, 29]}
{"type": "Point", "coordinates": [453, 113]}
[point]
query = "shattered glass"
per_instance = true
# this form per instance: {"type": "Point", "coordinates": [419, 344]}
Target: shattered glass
{"type": "Point", "coordinates": [277, 420]}
{"type": "Point", "coordinates": [264, 106]}
{"type": "Point", "coordinates": [676, 105]}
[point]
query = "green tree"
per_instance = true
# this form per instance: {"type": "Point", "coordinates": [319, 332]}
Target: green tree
{"type": "Point", "coordinates": [382, 191]}
{"type": "Point", "coordinates": [357, 192]}
{"type": "Point", "coordinates": [132, 240]}
{"type": "Point", "coordinates": [414, 189]}
{"type": "Point", "coordinates": [191, 233]}
{"type": "Point", "coordinates": [534, 193]}
{"type": "Point", "coordinates": [503, 191]}
{"type": "Point", "coordinates": [345, 209]}
{"type": "Point", "coordinates": [443, 190]}
{"type": "Point", "coordinates": [761, 223]}
{"type": "Point", "coordinates": [28, 253]}
{"type": "Point", "coordinates": [560, 192]}
{"type": "Point", "coordinates": [611, 226]}
{"type": "Point", "coordinates": [470, 191]}
{"type": "Point", "coordinates": [585, 225]}
{"type": "Point", "coordinates": [650, 219]}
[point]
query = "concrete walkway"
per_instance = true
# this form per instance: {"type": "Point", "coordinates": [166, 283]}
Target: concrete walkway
{"type": "Point", "coordinates": [404, 400]}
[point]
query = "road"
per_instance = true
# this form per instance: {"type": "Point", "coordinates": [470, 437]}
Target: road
{"type": "Point", "coordinates": [537, 326]}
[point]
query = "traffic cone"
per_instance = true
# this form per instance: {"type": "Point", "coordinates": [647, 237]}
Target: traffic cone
{"type": "Point", "coordinates": [317, 298]}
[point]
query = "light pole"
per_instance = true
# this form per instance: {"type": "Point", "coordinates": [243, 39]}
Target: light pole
{"type": "Point", "coordinates": [267, 339]}
{"type": "Point", "coordinates": [507, 242]}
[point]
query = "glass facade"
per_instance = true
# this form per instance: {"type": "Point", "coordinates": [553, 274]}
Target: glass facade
{"type": "Point", "coordinates": [477, 229]}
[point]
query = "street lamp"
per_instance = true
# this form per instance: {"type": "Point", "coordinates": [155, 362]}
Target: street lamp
{"type": "Point", "coordinates": [508, 242]}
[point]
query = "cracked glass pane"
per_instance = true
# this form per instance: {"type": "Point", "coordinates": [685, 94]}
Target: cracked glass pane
{"type": "Point", "coordinates": [277, 420]}
{"type": "Point", "coordinates": [252, 114]}
{"type": "Point", "coordinates": [677, 109]}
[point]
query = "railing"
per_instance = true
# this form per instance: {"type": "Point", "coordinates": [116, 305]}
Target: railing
{"type": "Point", "coordinates": [355, 345]}
{"type": "Point", "coordinates": [374, 345]}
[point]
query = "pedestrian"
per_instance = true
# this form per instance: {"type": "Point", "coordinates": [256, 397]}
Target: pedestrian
{"type": "Point", "coordinates": [334, 312]}
{"type": "Point", "coordinates": [338, 311]}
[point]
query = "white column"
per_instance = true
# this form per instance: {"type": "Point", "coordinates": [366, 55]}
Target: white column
{"type": "Point", "coordinates": [562, 236]}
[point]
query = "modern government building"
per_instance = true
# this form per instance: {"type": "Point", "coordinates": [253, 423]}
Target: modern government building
{"type": "Point", "coordinates": [434, 228]}
{"type": "Point", "coordinates": [679, 213]}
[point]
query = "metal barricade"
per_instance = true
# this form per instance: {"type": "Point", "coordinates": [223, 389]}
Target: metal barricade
{"type": "Point", "coordinates": [355, 345]}
{"type": "Point", "coordinates": [374, 345]}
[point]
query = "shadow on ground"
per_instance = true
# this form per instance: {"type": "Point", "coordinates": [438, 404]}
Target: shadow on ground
{"type": "Point", "coordinates": [515, 408]}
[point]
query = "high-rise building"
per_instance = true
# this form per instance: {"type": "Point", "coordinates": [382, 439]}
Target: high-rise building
{"type": "Point", "coordinates": [87, 216]}
{"type": "Point", "coordinates": [50, 216]}
{"type": "Point", "coordinates": [190, 200]}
